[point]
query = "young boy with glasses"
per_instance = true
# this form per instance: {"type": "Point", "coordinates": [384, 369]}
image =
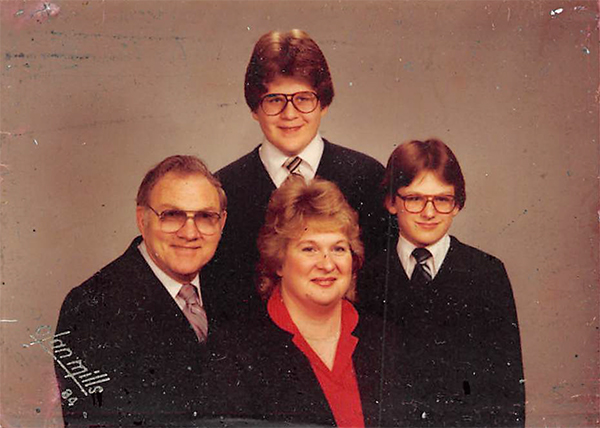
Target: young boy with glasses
{"type": "Point", "coordinates": [289, 90]}
{"type": "Point", "coordinates": [453, 303]}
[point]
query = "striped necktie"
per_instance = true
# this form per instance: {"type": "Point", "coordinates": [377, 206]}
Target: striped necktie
{"type": "Point", "coordinates": [292, 164]}
{"type": "Point", "coordinates": [193, 311]}
{"type": "Point", "coordinates": [421, 274]}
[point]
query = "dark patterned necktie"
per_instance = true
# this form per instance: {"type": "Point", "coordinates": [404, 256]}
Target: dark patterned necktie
{"type": "Point", "coordinates": [421, 274]}
{"type": "Point", "coordinates": [292, 165]}
{"type": "Point", "coordinates": [193, 311]}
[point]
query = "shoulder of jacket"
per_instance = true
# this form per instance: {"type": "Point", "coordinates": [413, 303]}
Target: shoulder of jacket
{"type": "Point", "coordinates": [232, 170]}
{"type": "Point", "coordinates": [474, 255]}
{"type": "Point", "coordinates": [359, 159]}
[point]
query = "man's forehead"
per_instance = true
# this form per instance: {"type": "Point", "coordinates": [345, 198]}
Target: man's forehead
{"type": "Point", "coordinates": [174, 185]}
{"type": "Point", "coordinates": [176, 177]}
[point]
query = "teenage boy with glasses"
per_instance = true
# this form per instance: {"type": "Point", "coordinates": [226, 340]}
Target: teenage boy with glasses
{"type": "Point", "coordinates": [288, 89]}
{"type": "Point", "coordinates": [453, 303]}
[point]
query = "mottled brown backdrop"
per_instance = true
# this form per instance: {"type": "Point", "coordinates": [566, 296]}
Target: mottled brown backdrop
{"type": "Point", "coordinates": [95, 92]}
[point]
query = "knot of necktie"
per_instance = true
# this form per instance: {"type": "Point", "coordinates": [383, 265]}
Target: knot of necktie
{"type": "Point", "coordinates": [421, 255]}
{"type": "Point", "coordinates": [292, 164]}
{"type": "Point", "coordinates": [189, 294]}
{"type": "Point", "coordinates": [194, 311]}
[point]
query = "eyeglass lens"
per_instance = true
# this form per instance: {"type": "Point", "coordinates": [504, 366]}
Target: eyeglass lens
{"type": "Point", "coordinates": [206, 221]}
{"type": "Point", "coordinates": [304, 102]}
{"type": "Point", "coordinates": [417, 203]}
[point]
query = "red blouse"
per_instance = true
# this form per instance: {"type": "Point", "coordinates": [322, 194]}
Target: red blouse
{"type": "Point", "coordinates": [339, 385]}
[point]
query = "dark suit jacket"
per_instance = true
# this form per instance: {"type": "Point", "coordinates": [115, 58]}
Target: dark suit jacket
{"type": "Point", "coordinates": [248, 187]}
{"type": "Point", "coordinates": [123, 323]}
{"type": "Point", "coordinates": [258, 374]}
{"type": "Point", "coordinates": [461, 332]}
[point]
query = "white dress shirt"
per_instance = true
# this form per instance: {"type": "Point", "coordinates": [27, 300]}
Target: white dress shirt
{"type": "Point", "coordinates": [172, 286]}
{"type": "Point", "coordinates": [438, 254]}
{"type": "Point", "coordinates": [274, 160]}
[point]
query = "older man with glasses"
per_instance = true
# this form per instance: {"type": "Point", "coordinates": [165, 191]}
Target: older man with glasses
{"type": "Point", "coordinates": [136, 331]}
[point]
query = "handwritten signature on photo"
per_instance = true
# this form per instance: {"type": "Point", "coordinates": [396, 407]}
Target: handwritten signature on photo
{"type": "Point", "coordinates": [87, 380]}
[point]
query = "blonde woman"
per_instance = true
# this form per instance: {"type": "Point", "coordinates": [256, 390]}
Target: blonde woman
{"type": "Point", "coordinates": [310, 358]}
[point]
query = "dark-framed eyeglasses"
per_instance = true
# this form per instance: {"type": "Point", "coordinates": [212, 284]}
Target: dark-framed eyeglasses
{"type": "Point", "coordinates": [304, 102]}
{"type": "Point", "coordinates": [171, 221]}
{"type": "Point", "coordinates": [414, 204]}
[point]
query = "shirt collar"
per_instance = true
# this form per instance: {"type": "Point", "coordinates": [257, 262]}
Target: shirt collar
{"type": "Point", "coordinates": [438, 252]}
{"type": "Point", "coordinates": [273, 159]}
{"type": "Point", "coordinates": [169, 283]}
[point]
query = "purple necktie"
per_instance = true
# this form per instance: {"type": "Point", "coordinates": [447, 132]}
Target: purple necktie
{"type": "Point", "coordinates": [193, 311]}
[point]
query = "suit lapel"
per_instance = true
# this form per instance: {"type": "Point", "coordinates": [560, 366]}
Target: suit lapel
{"type": "Point", "coordinates": [397, 282]}
{"type": "Point", "coordinates": [327, 165]}
{"type": "Point", "coordinates": [260, 174]}
{"type": "Point", "coordinates": [153, 302]}
{"type": "Point", "coordinates": [455, 272]}
{"type": "Point", "coordinates": [293, 369]}
{"type": "Point", "coordinates": [367, 361]}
